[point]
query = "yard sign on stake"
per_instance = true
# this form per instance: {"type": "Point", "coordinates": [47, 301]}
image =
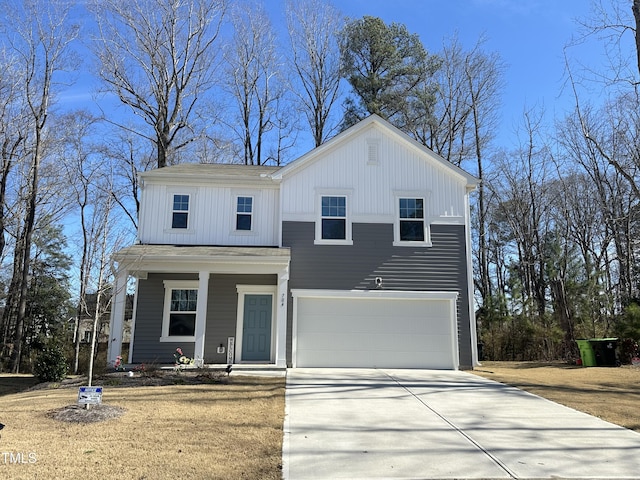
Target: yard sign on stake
{"type": "Point", "coordinates": [89, 395]}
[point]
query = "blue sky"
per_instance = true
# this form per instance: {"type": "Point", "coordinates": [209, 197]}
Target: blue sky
{"type": "Point", "coordinates": [529, 35]}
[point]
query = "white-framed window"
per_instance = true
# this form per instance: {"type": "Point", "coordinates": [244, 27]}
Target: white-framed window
{"type": "Point", "coordinates": [180, 211]}
{"type": "Point", "coordinates": [244, 213]}
{"type": "Point", "coordinates": [333, 224]}
{"type": "Point", "coordinates": [179, 314]}
{"type": "Point", "coordinates": [334, 217]}
{"type": "Point", "coordinates": [411, 226]}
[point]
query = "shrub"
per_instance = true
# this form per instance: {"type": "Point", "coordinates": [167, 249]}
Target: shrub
{"type": "Point", "coordinates": [628, 349]}
{"type": "Point", "coordinates": [628, 325]}
{"type": "Point", "coordinates": [149, 370]}
{"type": "Point", "coordinates": [99, 361]}
{"type": "Point", "coordinates": [51, 364]}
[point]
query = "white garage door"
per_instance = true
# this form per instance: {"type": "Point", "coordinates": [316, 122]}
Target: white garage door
{"type": "Point", "coordinates": [375, 329]}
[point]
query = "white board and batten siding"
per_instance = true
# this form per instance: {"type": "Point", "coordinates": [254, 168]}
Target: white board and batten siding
{"type": "Point", "coordinates": [373, 169]}
{"type": "Point", "coordinates": [374, 329]}
{"type": "Point", "coordinates": [212, 215]}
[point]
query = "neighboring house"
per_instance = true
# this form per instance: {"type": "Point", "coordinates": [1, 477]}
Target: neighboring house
{"type": "Point", "coordinates": [86, 319]}
{"type": "Point", "coordinates": [357, 254]}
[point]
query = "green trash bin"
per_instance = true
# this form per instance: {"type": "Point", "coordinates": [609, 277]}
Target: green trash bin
{"type": "Point", "coordinates": [604, 350]}
{"type": "Point", "coordinates": [587, 355]}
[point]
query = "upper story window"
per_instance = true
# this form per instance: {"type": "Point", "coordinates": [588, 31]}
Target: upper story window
{"type": "Point", "coordinates": [180, 304]}
{"type": "Point", "coordinates": [411, 226]}
{"type": "Point", "coordinates": [334, 218]}
{"type": "Point", "coordinates": [244, 213]}
{"type": "Point", "coordinates": [180, 213]}
{"type": "Point", "coordinates": [333, 222]}
{"type": "Point", "coordinates": [412, 220]}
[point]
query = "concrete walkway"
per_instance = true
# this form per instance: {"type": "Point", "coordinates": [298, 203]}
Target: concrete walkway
{"type": "Point", "coordinates": [366, 423]}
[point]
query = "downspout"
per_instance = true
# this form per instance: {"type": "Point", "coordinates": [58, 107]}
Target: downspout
{"type": "Point", "coordinates": [472, 313]}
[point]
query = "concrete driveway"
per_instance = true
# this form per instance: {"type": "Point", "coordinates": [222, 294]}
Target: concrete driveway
{"type": "Point", "coordinates": [366, 423]}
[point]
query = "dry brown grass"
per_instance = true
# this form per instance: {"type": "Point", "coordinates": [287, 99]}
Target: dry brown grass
{"type": "Point", "coordinates": [229, 431]}
{"type": "Point", "coordinates": [612, 394]}
{"type": "Point", "coordinates": [194, 431]}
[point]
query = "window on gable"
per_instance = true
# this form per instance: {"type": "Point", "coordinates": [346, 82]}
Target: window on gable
{"type": "Point", "coordinates": [412, 227]}
{"type": "Point", "coordinates": [334, 218]}
{"type": "Point", "coordinates": [180, 214]}
{"type": "Point", "coordinates": [244, 213]}
{"type": "Point", "coordinates": [180, 313]}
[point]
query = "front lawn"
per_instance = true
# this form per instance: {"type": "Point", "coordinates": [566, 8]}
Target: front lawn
{"type": "Point", "coordinates": [610, 393]}
{"type": "Point", "coordinates": [190, 431]}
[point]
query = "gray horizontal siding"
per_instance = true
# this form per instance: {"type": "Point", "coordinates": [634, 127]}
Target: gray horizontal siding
{"type": "Point", "coordinates": [221, 316]}
{"type": "Point", "coordinates": [148, 328]}
{"type": "Point", "coordinates": [344, 267]}
{"type": "Point", "coordinates": [222, 310]}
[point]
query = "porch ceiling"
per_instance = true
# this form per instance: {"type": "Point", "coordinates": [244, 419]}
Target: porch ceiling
{"type": "Point", "coordinates": [197, 258]}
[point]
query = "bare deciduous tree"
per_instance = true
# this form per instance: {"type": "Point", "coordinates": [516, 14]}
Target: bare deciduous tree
{"type": "Point", "coordinates": [39, 35]}
{"type": "Point", "coordinates": [523, 192]}
{"type": "Point", "coordinates": [483, 73]}
{"type": "Point", "coordinates": [253, 80]}
{"type": "Point", "coordinates": [102, 247]}
{"type": "Point", "coordinates": [132, 155]}
{"type": "Point", "coordinates": [313, 27]}
{"type": "Point", "coordinates": [614, 24]}
{"type": "Point", "coordinates": [463, 123]}
{"type": "Point", "coordinates": [13, 130]}
{"type": "Point", "coordinates": [158, 57]}
{"type": "Point", "coordinates": [82, 174]}
{"type": "Point", "coordinates": [601, 141]}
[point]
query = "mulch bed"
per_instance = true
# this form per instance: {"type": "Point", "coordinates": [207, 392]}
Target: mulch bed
{"type": "Point", "coordinates": [80, 414]}
{"type": "Point", "coordinates": [156, 378]}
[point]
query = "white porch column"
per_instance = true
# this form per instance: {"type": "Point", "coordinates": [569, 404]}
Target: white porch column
{"type": "Point", "coordinates": [281, 318]}
{"type": "Point", "coordinates": [116, 324]}
{"type": "Point", "coordinates": [201, 315]}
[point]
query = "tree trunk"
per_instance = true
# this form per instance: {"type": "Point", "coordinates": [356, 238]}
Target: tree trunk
{"type": "Point", "coordinates": [636, 15]}
{"type": "Point", "coordinates": [26, 260]}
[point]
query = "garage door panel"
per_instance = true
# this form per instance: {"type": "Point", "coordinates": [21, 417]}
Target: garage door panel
{"type": "Point", "coordinates": [410, 343]}
{"type": "Point", "coordinates": [375, 307]}
{"type": "Point", "coordinates": [419, 320]}
{"type": "Point", "coordinates": [342, 359]}
{"type": "Point", "coordinates": [374, 332]}
{"type": "Point", "coordinates": [355, 325]}
{"type": "Point", "coordinates": [329, 324]}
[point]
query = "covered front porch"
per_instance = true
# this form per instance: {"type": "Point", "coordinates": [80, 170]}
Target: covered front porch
{"type": "Point", "coordinates": [220, 305]}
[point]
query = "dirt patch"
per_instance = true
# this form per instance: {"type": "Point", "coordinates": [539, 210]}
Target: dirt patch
{"type": "Point", "coordinates": [610, 393]}
{"type": "Point", "coordinates": [124, 379]}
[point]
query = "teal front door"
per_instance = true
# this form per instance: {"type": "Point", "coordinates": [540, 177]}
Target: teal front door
{"type": "Point", "coordinates": [256, 328]}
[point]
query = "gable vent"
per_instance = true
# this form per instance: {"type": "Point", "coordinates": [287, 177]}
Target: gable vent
{"type": "Point", "coordinates": [373, 157]}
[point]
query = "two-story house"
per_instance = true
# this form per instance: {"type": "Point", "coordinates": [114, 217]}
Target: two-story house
{"type": "Point", "coordinates": [357, 254]}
